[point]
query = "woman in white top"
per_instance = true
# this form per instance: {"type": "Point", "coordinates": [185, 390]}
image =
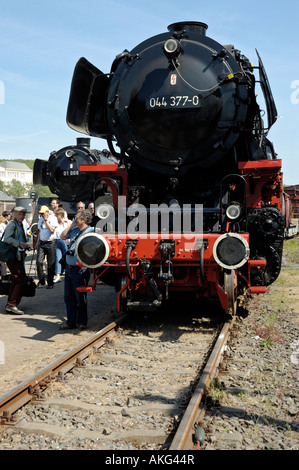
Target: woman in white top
{"type": "Point", "coordinates": [61, 247]}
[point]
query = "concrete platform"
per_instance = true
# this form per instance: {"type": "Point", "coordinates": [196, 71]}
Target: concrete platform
{"type": "Point", "coordinates": [31, 341]}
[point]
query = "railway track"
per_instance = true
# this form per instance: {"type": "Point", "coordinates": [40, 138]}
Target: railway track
{"type": "Point", "coordinates": [137, 384]}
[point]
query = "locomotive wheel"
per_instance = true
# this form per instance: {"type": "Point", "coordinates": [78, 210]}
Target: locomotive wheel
{"type": "Point", "coordinates": [230, 287]}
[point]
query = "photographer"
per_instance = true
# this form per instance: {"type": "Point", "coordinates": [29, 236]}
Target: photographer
{"type": "Point", "coordinates": [75, 275]}
{"type": "Point", "coordinates": [15, 235]}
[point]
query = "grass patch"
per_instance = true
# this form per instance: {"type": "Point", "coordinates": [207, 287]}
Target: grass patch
{"type": "Point", "coordinates": [269, 329]}
{"type": "Point", "coordinates": [291, 250]}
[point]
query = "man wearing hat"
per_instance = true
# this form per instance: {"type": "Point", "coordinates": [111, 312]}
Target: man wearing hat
{"type": "Point", "coordinates": [46, 246]}
{"type": "Point", "coordinates": [15, 235]}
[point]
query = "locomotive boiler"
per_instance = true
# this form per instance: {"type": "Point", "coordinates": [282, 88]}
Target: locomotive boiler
{"type": "Point", "coordinates": [188, 195]}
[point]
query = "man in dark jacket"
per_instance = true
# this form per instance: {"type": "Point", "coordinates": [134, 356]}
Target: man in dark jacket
{"type": "Point", "coordinates": [76, 275]}
{"type": "Point", "coordinates": [14, 235]}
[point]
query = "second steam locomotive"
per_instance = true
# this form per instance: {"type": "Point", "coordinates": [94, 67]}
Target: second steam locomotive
{"type": "Point", "coordinates": [188, 198]}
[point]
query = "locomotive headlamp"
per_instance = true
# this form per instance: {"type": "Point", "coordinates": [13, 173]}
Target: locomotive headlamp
{"type": "Point", "coordinates": [231, 250]}
{"type": "Point", "coordinates": [234, 211]}
{"type": "Point", "coordinates": [103, 211]}
{"type": "Point", "coordinates": [92, 250]}
{"type": "Point", "coordinates": [70, 153]}
{"type": "Point", "coordinates": [172, 47]}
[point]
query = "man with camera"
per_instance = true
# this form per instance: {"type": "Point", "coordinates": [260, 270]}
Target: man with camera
{"type": "Point", "coordinates": [76, 275]}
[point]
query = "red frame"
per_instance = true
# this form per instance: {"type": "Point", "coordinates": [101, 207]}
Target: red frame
{"type": "Point", "coordinates": [264, 185]}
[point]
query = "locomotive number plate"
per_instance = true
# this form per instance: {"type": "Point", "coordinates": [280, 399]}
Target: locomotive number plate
{"type": "Point", "coordinates": [174, 101]}
{"type": "Point", "coordinates": [71, 173]}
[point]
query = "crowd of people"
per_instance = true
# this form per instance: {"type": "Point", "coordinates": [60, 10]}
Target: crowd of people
{"type": "Point", "coordinates": [56, 239]}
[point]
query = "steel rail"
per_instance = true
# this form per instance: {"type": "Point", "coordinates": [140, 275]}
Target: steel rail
{"type": "Point", "coordinates": [184, 436]}
{"type": "Point", "coordinates": [32, 389]}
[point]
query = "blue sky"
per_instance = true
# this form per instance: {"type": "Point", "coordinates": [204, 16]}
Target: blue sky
{"type": "Point", "coordinates": [41, 41]}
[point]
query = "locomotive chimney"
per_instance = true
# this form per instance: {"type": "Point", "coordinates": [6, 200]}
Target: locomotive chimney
{"type": "Point", "coordinates": [83, 142]}
{"type": "Point", "coordinates": [194, 26]}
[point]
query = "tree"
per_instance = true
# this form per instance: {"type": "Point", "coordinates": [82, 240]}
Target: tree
{"type": "Point", "coordinates": [16, 189]}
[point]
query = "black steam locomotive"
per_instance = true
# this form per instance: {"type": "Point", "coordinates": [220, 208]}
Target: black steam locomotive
{"type": "Point", "coordinates": [187, 143]}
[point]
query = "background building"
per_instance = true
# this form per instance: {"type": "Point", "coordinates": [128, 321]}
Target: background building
{"type": "Point", "coordinates": [10, 171]}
